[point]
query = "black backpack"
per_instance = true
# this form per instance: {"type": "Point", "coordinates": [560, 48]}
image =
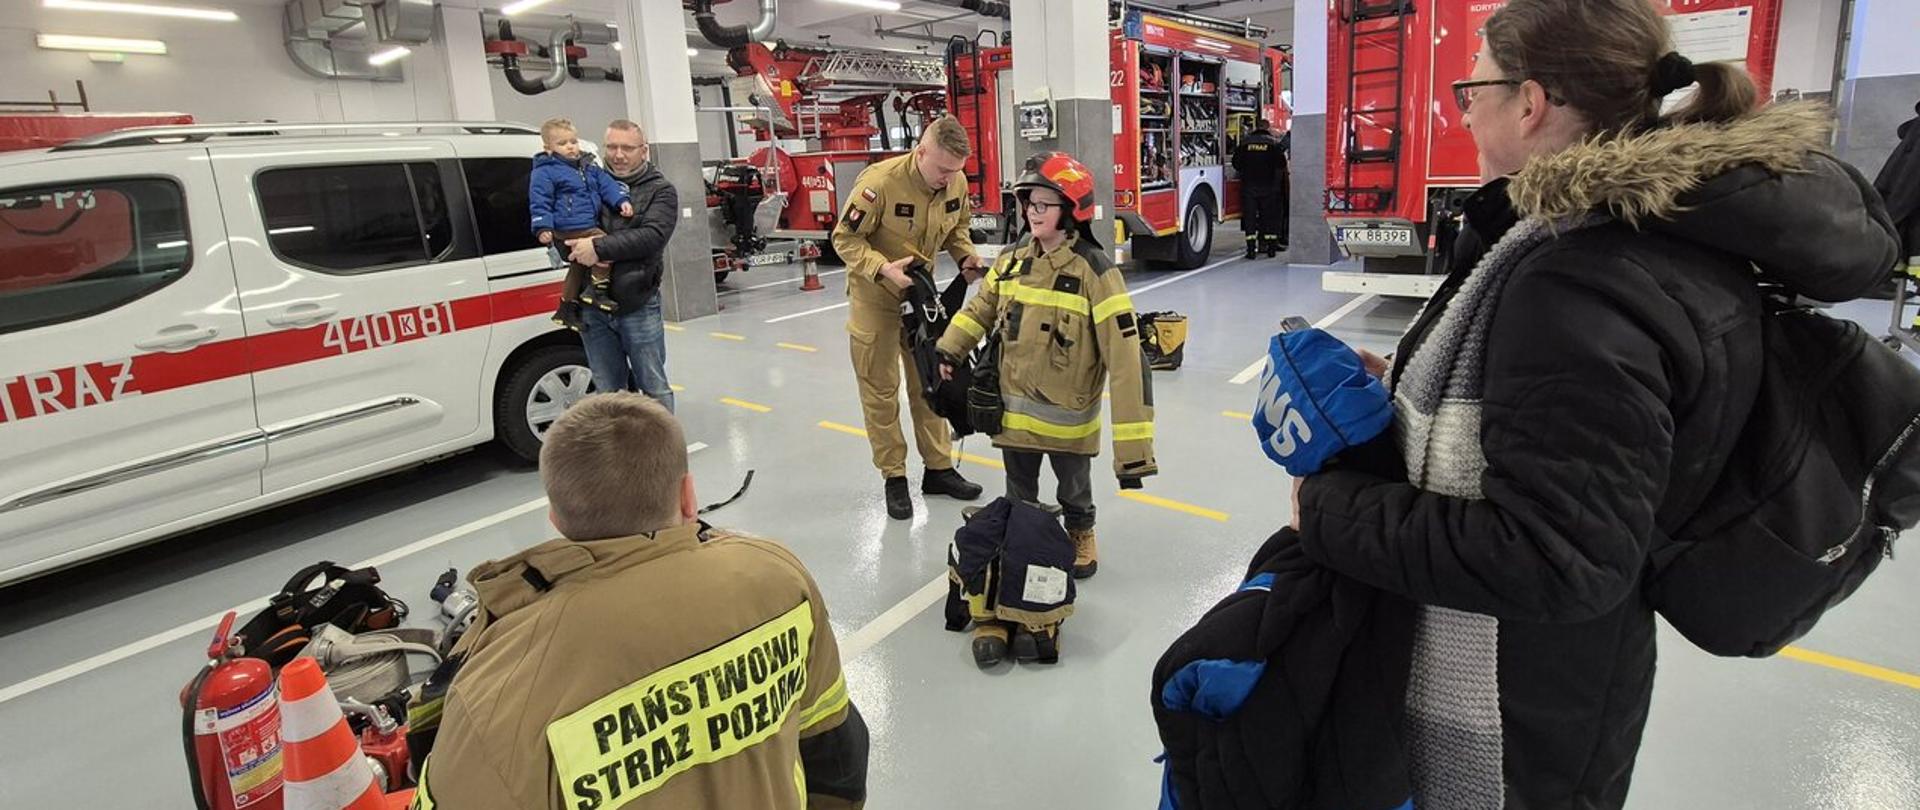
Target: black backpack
{"type": "Point", "coordinates": [319, 594]}
{"type": "Point", "coordinates": [1823, 478]}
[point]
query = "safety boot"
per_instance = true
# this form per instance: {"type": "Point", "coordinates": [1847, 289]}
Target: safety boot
{"type": "Point", "coordinates": [989, 643]}
{"type": "Point", "coordinates": [1252, 251]}
{"type": "Point", "coordinates": [949, 482]}
{"type": "Point", "coordinates": [1037, 644]}
{"type": "Point", "coordinates": [568, 315]}
{"type": "Point", "coordinates": [1085, 553]}
{"type": "Point", "coordinates": [599, 295]}
{"type": "Point", "coordinates": [899, 501]}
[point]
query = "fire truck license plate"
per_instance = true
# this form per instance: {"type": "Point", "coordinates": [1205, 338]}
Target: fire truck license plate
{"type": "Point", "coordinates": [985, 222]}
{"type": "Point", "coordinates": [1383, 237]}
{"type": "Point", "coordinates": [764, 259]}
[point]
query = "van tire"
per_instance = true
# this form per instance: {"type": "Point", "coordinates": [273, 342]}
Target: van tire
{"type": "Point", "coordinates": [517, 392]}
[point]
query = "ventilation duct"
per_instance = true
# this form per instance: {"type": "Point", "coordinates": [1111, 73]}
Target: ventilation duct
{"type": "Point", "coordinates": [556, 54]}
{"type": "Point", "coordinates": [733, 36]}
{"type": "Point", "coordinates": [333, 39]}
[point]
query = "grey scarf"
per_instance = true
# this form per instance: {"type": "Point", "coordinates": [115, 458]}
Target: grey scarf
{"type": "Point", "coordinates": [1453, 694]}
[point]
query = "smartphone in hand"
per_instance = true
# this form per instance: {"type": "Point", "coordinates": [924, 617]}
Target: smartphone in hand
{"type": "Point", "coordinates": [1294, 323]}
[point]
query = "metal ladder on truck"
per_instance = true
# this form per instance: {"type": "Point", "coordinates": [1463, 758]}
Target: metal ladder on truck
{"type": "Point", "coordinates": [1375, 26]}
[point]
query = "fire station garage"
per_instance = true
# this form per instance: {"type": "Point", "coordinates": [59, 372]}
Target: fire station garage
{"type": "Point", "coordinates": [642, 403]}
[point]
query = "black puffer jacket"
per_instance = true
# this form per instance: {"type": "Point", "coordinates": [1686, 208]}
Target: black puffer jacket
{"type": "Point", "coordinates": [1620, 367]}
{"type": "Point", "coordinates": [637, 246]}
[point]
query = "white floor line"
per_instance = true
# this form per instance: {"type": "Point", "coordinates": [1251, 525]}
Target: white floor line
{"type": "Point", "coordinates": [780, 282]}
{"type": "Point", "coordinates": [125, 651]}
{"type": "Point", "coordinates": [896, 617]}
{"type": "Point", "coordinates": [942, 283]}
{"type": "Point", "coordinates": [1247, 374]}
{"type": "Point", "coordinates": [1183, 276]}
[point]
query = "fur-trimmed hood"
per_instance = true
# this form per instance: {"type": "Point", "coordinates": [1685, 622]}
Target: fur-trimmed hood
{"type": "Point", "coordinates": [1764, 188]}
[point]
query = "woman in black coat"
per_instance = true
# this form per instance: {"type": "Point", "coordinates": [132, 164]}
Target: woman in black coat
{"type": "Point", "coordinates": [1576, 386]}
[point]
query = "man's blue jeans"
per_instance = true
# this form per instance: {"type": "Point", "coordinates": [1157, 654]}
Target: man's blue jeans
{"type": "Point", "coordinates": [627, 351]}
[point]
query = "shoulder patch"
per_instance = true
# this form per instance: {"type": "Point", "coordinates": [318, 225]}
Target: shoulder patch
{"type": "Point", "coordinates": [1094, 255]}
{"type": "Point", "coordinates": [869, 194]}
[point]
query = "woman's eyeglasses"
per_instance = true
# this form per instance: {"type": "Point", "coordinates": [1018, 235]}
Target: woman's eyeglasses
{"type": "Point", "coordinates": [1463, 95]}
{"type": "Point", "coordinates": [1043, 207]}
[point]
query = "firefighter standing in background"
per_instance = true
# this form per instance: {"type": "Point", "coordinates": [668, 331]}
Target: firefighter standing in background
{"type": "Point", "coordinates": [904, 210]}
{"type": "Point", "coordinates": [1261, 162]}
{"type": "Point", "coordinates": [1067, 325]}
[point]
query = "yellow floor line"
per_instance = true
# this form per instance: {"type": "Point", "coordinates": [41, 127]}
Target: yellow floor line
{"type": "Point", "coordinates": [741, 403]}
{"type": "Point", "coordinates": [1164, 503]}
{"type": "Point", "coordinates": [797, 347]}
{"type": "Point", "coordinates": [980, 460]}
{"type": "Point", "coordinates": [1865, 670]}
{"type": "Point", "coordinates": [727, 336]}
{"type": "Point", "coordinates": [847, 429]}
{"type": "Point", "coordinates": [676, 328]}
{"type": "Point", "coordinates": [1244, 417]}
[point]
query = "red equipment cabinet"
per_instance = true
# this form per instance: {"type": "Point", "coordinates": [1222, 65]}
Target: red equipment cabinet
{"type": "Point", "coordinates": [1398, 160]}
{"type": "Point", "coordinates": [1184, 87]}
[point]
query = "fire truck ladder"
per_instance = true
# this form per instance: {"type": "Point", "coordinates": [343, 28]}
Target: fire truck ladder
{"type": "Point", "coordinates": [1375, 26]}
{"type": "Point", "coordinates": [877, 69]}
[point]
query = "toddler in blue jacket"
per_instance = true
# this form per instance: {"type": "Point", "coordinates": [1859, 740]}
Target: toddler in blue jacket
{"type": "Point", "coordinates": [565, 193]}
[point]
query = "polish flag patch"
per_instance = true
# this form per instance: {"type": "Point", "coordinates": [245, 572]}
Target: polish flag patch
{"type": "Point", "coordinates": [868, 195]}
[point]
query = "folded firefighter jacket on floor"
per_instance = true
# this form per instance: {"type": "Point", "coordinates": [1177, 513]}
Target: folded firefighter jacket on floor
{"type": "Point", "coordinates": [1009, 563]}
{"type": "Point", "coordinates": [1288, 693]}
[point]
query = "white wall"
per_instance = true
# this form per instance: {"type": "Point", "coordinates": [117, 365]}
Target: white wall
{"type": "Point", "coordinates": [1809, 35]}
{"type": "Point", "coordinates": [216, 71]}
{"type": "Point", "coordinates": [1885, 34]}
{"type": "Point", "coordinates": [589, 104]}
{"type": "Point", "coordinates": [1310, 59]}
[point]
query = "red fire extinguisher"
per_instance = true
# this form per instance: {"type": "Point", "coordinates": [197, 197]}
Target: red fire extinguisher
{"type": "Point", "coordinates": [232, 729]}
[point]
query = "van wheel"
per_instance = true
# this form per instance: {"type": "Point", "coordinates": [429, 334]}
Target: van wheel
{"type": "Point", "coordinates": [535, 392]}
{"type": "Point", "coordinates": [1195, 241]}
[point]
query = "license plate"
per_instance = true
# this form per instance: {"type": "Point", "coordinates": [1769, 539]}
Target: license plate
{"type": "Point", "coordinates": [1382, 237]}
{"type": "Point", "coordinates": [764, 259]}
{"type": "Point", "coordinates": [985, 222]}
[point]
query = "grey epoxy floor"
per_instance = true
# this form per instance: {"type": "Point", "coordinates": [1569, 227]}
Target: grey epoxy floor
{"type": "Point", "coordinates": [109, 645]}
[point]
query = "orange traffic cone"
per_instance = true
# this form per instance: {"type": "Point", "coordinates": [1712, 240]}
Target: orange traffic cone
{"type": "Point", "coordinates": [810, 275]}
{"type": "Point", "coordinates": [325, 769]}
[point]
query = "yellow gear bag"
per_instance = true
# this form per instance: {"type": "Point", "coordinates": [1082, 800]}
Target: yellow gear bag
{"type": "Point", "coordinates": [1164, 336]}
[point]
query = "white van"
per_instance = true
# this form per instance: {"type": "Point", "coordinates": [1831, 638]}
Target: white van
{"type": "Point", "coordinates": [201, 321]}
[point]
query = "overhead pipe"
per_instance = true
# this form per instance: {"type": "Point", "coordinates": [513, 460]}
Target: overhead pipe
{"type": "Point", "coordinates": [556, 75]}
{"type": "Point", "coordinates": [588, 74]}
{"type": "Point", "coordinates": [986, 8]}
{"type": "Point", "coordinates": [734, 36]}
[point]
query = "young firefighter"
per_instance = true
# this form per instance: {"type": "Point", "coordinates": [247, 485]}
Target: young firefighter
{"type": "Point", "coordinates": [564, 195]}
{"type": "Point", "coordinates": [1066, 323]}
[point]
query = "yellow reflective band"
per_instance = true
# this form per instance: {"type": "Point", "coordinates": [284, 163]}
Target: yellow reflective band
{"type": "Point", "coordinates": [969, 325]}
{"type": "Point", "coordinates": [1071, 302]}
{"type": "Point", "coordinates": [800, 780]}
{"type": "Point", "coordinates": [422, 798]}
{"type": "Point", "coordinates": [1132, 431]}
{"type": "Point", "coordinates": [701, 710]}
{"type": "Point", "coordinates": [832, 700]}
{"type": "Point", "coordinates": [1021, 421]}
{"type": "Point", "coordinates": [1111, 307]}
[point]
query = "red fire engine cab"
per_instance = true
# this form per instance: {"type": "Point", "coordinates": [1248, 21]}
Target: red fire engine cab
{"type": "Point", "coordinates": [1399, 162]}
{"type": "Point", "coordinates": [1185, 88]}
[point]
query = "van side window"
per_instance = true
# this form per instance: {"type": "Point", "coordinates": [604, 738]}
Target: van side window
{"type": "Point", "coordinates": [498, 188]}
{"type": "Point", "coordinates": [356, 218]}
{"type": "Point", "coordinates": [76, 249]}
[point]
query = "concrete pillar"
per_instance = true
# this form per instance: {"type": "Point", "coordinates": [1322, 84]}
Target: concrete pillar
{"type": "Point", "coordinates": [1061, 52]}
{"type": "Point", "coordinates": [1309, 240]}
{"type": "Point", "coordinates": [463, 53]}
{"type": "Point", "coordinates": [659, 89]}
{"type": "Point", "coordinates": [1882, 84]}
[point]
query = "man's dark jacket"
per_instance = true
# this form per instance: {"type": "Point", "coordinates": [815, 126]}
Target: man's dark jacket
{"type": "Point", "coordinates": [637, 246]}
{"type": "Point", "coordinates": [1899, 182]}
{"type": "Point", "coordinates": [1621, 366]}
{"type": "Point", "coordinates": [1261, 161]}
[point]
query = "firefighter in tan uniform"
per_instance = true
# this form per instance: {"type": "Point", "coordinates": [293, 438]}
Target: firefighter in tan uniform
{"type": "Point", "coordinates": [1067, 328]}
{"type": "Point", "coordinates": [904, 210]}
{"type": "Point", "coordinates": [664, 666]}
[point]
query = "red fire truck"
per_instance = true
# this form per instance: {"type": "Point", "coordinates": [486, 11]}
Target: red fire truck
{"type": "Point", "coordinates": [1185, 87]}
{"type": "Point", "coordinates": [1399, 163]}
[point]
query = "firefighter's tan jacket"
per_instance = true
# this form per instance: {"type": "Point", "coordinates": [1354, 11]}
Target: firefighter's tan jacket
{"type": "Point", "coordinates": [893, 214]}
{"type": "Point", "coordinates": [656, 671]}
{"type": "Point", "coordinates": [1068, 327]}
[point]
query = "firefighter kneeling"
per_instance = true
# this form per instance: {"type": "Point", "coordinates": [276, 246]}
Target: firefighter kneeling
{"type": "Point", "coordinates": [1059, 308]}
{"type": "Point", "coordinates": [646, 661]}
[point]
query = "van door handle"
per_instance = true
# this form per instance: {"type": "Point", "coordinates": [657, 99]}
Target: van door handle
{"type": "Point", "coordinates": [177, 338]}
{"type": "Point", "coordinates": [300, 315]}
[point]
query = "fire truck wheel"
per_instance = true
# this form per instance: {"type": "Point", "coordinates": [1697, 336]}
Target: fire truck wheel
{"type": "Point", "coordinates": [534, 392]}
{"type": "Point", "coordinates": [1195, 242]}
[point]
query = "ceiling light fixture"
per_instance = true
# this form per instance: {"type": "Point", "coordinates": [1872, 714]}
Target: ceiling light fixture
{"type": "Point", "coordinates": [522, 5]}
{"type": "Point", "coordinates": [215, 14]}
{"type": "Point", "coordinates": [392, 54]}
{"type": "Point", "coordinates": [70, 42]}
{"type": "Point", "coordinates": [876, 5]}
